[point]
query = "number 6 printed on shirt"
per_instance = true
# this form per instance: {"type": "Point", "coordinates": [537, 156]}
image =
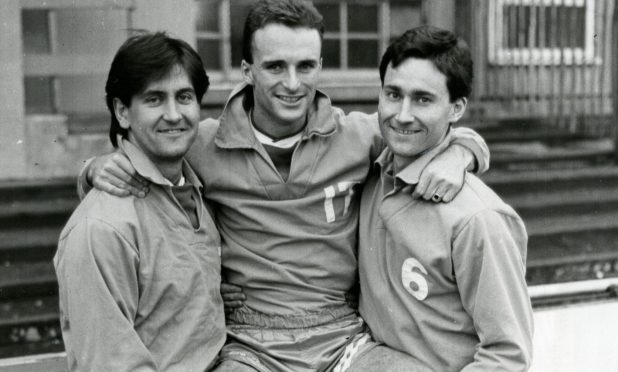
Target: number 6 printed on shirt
{"type": "Point", "coordinates": [413, 280]}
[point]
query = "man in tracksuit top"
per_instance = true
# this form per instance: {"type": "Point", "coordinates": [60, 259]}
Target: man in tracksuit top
{"type": "Point", "coordinates": [139, 277]}
{"type": "Point", "coordinates": [283, 171]}
{"type": "Point", "coordinates": [443, 282]}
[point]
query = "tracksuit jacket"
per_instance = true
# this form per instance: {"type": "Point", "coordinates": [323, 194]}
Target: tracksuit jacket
{"type": "Point", "coordinates": [444, 282]}
{"type": "Point", "coordinates": [138, 284]}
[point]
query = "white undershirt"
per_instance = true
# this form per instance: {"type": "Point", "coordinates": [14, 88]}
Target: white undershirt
{"type": "Point", "coordinates": [283, 143]}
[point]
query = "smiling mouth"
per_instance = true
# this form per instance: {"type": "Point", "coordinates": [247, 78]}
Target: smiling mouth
{"type": "Point", "coordinates": [290, 99]}
{"type": "Point", "coordinates": [171, 131]}
{"type": "Point", "coordinates": [405, 131]}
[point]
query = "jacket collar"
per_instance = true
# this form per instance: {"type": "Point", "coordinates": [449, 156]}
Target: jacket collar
{"type": "Point", "coordinates": [235, 129]}
{"type": "Point", "coordinates": [146, 168]}
{"type": "Point", "coordinates": [411, 174]}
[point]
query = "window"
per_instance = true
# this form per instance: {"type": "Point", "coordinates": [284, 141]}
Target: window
{"type": "Point", "coordinates": [68, 47]}
{"type": "Point", "coordinates": [532, 31]}
{"type": "Point", "coordinates": [356, 32]}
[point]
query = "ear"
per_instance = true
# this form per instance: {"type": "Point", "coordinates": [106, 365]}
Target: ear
{"type": "Point", "coordinates": [245, 70]}
{"type": "Point", "coordinates": [458, 108]}
{"type": "Point", "coordinates": [122, 113]}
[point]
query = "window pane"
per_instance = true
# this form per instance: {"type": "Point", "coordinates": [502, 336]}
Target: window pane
{"type": "Point", "coordinates": [35, 31]}
{"type": "Point", "coordinates": [330, 12]}
{"type": "Point", "coordinates": [82, 94]}
{"type": "Point", "coordinates": [517, 20]}
{"type": "Point", "coordinates": [209, 51]}
{"type": "Point", "coordinates": [330, 54]}
{"type": "Point", "coordinates": [363, 18]}
{"type": "Point", "coordinates": [363, 53]}
{"type": "Point", "coordinates": [207, 18]}
{"type": "Point", "coordinates": [403, 18]}
{"type": "Point", "coordinates": [39, 95]}
{"type": "Point", "coordinates": [91, 31]}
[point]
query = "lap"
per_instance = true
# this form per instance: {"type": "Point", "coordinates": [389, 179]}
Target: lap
{"type": "Point", "coordinates": [315, 348]}
{"type": "Point", "coordinates": [384, 359]}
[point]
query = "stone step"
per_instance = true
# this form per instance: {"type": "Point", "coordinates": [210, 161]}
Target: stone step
{"type": "Point", "coordinates": [525, 157]}
{"type": "Point", "coordinates": [40, 309]}
{"type": "Point", "coordinates": [22, 190]}
{"type": "Point", "coordinates": [27, 279]}
{"type": "Point", "coordinates": [34, 207]}
{"type": "Point", "coordinates": [514, 183]}
{"type": "Point", "coordinates": [570, 256]}
{"type": "Point", "coordinates": [23, 239]}
{"type": "Point", "coordinates": [562, 202]}
{"type": "Point", "coordinates": [523, 130]}
{"type": "Point", "coordinates": [544, 225]}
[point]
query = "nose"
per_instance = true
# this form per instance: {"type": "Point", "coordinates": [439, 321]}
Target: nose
{"type": "Point", "coordinates": [405, 114]}
{"type": "Point", "coordinates": [292, 82]}
{"type": "Point", "coordinates": [172, 114]}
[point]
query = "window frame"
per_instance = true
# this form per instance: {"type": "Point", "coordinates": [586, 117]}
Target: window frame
{"type": "Point", "coordinates": [53, 65]}
{"type": "Point", "coordinates": [228, 75]}
{"type": "Point", "coordinates": [501, 55]}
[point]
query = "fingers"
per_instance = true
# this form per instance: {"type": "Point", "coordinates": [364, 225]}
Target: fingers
{"type": "Point", "coordinates": [115, 174]}
{"type": "Point", "coordinates": [232, 293]}
{"type": "Point", "coordinates": [427, 187]}
{"type": "Point", "coordinates": [421, 188]}
{"type": "Point", "coordinates": [449, 195]}
{"type": "Point", "coordinates": [124, 176]}
{"type": "Point", "coordinates": [438, 189]}
{"type": "Point", "coordinates": [227, 288]}
{"type": "Point", "coordinates": [442, 179]}
{"type": "Point", "coordinates": [233, 297]}
{"type": "Point", "coordinates": [110, 189]}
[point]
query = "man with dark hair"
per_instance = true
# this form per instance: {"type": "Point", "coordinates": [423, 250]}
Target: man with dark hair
{"type": "Point", "coordinates": [283, 170]}
{"type": "Point", "coordinates": [139, 277]}
{"type": "Point", "coordinates": [443, 282]}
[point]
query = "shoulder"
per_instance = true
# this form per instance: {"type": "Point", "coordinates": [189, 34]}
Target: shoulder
{"type": "Point", "coordinates": [100, 210]}
{"type": "Point", "coordinates": [207, 130]}
{"type": "Point", "coordinates": [478, 202]}
{"type": "Point", "coordinates": [359, 125]}
{"type": "Point", "coordinates": [102, 229]}
{"type": "Point", "coordinates": [360, 119]}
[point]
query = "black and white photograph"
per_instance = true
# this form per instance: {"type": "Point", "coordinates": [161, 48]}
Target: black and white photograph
{"type": "Point", "coordinates": [308, 185]}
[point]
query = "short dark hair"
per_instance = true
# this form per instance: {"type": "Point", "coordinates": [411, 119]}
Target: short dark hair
{"type": "Point", "coordinates": [449, 53]}
{"type": "Point", "coordinates": [291, 13]}
{"type": "Point", "coordinates": [142, 59]}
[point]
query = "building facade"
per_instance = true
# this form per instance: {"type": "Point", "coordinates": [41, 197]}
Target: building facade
{"type": "Point", "coordinates": [549, 58]}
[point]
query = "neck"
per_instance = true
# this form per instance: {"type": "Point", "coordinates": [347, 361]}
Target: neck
{"type": "Point", "coordinates": [273, 129]}
{"type": "Point", "coordinates": [172, 171]}
{"type": "Point", "coordinates": [400, 163]}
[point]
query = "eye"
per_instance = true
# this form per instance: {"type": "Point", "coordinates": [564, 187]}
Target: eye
{"type": "Point", "coordinates": [186, 97]}
{"type": "Point", "coordinates": [392, 96]}
{"type": "Point", "coordinates": [152, 100]}
{"type": "Point", "coordinates": [275, 68]}
{"type": "Point", "coordinates": [306, 66]}
{"type": "Point", "coordinates": [423, 100]}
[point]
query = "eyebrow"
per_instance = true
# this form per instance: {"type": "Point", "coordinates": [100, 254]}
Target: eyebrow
{"type": "Point", "coordinates": [416, 92]}
{"type": "Point", "coordinates": [161, 92]}
{"type": "Point", "coordinates": [284, 62]}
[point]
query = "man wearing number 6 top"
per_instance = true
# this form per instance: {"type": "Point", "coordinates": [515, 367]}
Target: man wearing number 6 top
{"type": "Point", "coordinates": [283, 171]}
{"type": "Point", "coordinates": [443, 282]}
